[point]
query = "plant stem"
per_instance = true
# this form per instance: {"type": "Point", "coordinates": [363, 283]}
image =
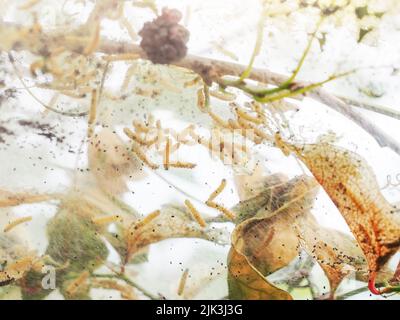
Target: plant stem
{"type": "Point", "coordinates": [303, 57]}
{"type": "Point", "coordinates": [257, 48]}
{"type": "Point", "coordinates": [282, 91]}
{"type": "Point", "coordinates": [384, 290]}
{"type": "Point", "coordinates": [351, 293]}
{"type": "Point", "coordinates": [128, 281]}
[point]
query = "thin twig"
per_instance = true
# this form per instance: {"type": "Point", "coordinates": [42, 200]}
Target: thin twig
{"type": "Point", "coordinates": [128, 281]}
{"type": "Point", "coordinates": [351, 293]}
{"type": "Point", "coordinates": [373, 107]}
{"type": "Point", "coordinates": [63, 113]}
{"type": "Point", "coordinates": [383, 139]}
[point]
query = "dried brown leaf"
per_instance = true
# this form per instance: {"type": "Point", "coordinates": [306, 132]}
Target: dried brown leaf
{"type": "Point", "coordinates": [270, 241]}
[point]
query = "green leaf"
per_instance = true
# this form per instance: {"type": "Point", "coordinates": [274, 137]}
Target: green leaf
{"type": "Point", "coordinates": [74, 239]}
{"type": "Point", "coordinates": [361, 12]}
{"type": "Point", "coordinates": [363, 32]}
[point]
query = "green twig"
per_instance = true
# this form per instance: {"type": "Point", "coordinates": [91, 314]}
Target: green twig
{"type": "Point", "coordinates": [303, 57]}
{"type": "Point", "coordinates": [257, 48]}
{"type": "Point", "coordinates": [288, 93]}
{"type": "Point", "coordinates": [285, 90]}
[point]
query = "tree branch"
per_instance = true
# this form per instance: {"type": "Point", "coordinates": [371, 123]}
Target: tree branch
{"type": "Point", "coordinates": [210, 69]}
{"type": "Point", "coordinates": [372, 107]}
{"type": "Point", "coordinates": [383, 139]}
{"type": "Point", "coordinates": [213, 70]}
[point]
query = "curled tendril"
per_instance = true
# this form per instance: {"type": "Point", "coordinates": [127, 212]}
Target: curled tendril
{"type": "Point", "coordinates": [390, 183]}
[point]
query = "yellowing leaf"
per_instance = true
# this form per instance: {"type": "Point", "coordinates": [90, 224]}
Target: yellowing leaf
{"type": "Point", "coordinates": [269, 240]}
{"type": "Point", "coordinates": [246, 283]}
{"type": "Point", "coordinates": [352, 186]}
{"type": "Point", "coordinates": [251, 185]}
{"type": "Point", "coordinates": [263, 193]}
{"type": "Point", "coordinates": [269, 244]}
{"type": "Point", "coordinates": [277, 223]}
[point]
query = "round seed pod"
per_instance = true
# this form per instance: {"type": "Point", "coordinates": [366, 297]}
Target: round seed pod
{"type": "Point", "coordinates": [163, 39]}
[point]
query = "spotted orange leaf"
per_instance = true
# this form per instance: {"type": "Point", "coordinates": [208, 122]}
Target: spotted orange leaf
{"type": "Point", "coordinates": [352, 186]}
